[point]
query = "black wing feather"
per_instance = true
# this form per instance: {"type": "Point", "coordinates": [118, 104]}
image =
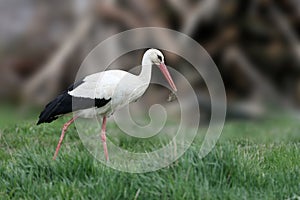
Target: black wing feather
{"type": "Point", "coordinates": [65, 103]}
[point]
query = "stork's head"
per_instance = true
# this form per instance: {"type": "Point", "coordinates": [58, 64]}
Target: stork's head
{"type": "Point", "coordinates": [157, 58]}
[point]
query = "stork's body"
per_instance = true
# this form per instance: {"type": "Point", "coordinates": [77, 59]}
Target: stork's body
{"type": "Point", "coordinates": [117, 86]}
{"type": "Point", "coordinates": [103, 92]}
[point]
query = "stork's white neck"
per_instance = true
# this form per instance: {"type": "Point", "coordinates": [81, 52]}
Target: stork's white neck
{"type": "Point", "coordinates": [145, 74]}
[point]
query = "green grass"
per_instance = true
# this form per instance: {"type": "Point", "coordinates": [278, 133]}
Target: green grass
{"type": "Point", "coordinates": [252, 160]}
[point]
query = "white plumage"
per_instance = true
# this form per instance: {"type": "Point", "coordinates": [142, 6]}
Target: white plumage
{"type": "Point", "coordinates": [119, 86]}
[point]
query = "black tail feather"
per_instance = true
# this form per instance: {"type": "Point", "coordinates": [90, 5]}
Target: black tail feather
{"type": "Point", "coordinates": [51, 111]}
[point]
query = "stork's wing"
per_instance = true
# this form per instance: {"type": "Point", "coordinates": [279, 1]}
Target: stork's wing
{"type": "Point", "coordinates": [95, 90]}
{"type": "Point", "coordinates": [65, 103]}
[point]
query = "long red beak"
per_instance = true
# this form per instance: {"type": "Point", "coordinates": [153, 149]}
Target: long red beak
{"type": "Point", "coordinates": [167, 75]}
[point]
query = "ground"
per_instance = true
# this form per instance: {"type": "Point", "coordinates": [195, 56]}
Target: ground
{"type": "Point", "coordinates": [252, 160]}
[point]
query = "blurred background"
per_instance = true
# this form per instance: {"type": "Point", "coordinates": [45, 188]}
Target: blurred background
{"type": "Point", "coordinates": [254, 43]}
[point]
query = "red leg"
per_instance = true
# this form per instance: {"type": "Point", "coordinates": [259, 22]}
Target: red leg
{"type": "Point", "coordinates": [103, 137]}
{"type": "Point", "coordinates": [63, 131]}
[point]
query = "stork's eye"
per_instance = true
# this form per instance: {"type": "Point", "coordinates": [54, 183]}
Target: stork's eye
{"type": "Point", "coordinates": [159, 58]}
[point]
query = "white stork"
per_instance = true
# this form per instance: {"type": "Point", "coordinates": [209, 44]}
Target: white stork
{"type": "Point", "coordinates": [104, 92]}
